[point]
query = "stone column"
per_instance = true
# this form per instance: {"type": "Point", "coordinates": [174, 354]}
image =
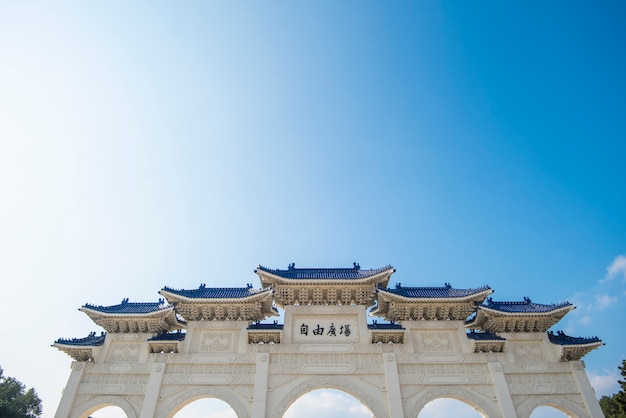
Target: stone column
{"type": "Point", "coordinates": [259, 402]}
{"type": "Point", "coordinates": [394, 396]}
{"type": "Point", "coordinates": [586, 390]}
{"type": "Point", "coordinates": [502, 390]}
{"type": "Point", "coordinates": [151, 397]}
{"type": "Point", "coordinates": [69, 393]}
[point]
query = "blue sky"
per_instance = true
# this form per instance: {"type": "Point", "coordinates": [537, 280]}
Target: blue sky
{"type": "Point", "coordinates": [156, 143]}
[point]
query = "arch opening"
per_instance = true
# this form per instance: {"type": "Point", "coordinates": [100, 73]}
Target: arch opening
{"type": "Point", "coordinates": [329, 403]}
{"type": "Point", "coordinates": [206, 408]}
{"type": "Point", "coordinates": [548, 411]}
{"type": "Point", "coordinates": [110, 411]}
{"type": "Point", "coordinates": [449, 407]}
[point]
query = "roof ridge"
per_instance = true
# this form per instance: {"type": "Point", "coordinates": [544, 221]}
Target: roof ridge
{"type": "Point", "coordinates": [446, 286]}
{"type": "Point", "coordinates": [561, 337]}
{"type": "Point", "coordinates": [125, 302]}
{"type": "Point", "coordinates": [526, 301]}
{"type": "Point", "coordinates": [292, 267]}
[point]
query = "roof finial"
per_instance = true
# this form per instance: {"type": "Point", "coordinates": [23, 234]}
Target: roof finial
{"type": "Point", "coordinates": [124, 301]}
{"type": "Point", "coordinates": [292, 266]}
{"type": "Point", "coordinates": [398, 285]}
{"type": "Point", "coordinates": [526, 299]}
{"type": "Point", "coordinates": [448, 285]}
{"type": "Point", "coordinates": [356, 266]}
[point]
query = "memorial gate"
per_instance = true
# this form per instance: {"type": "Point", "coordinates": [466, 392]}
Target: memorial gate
{"type": "Point", "coordinates": [429, 343]}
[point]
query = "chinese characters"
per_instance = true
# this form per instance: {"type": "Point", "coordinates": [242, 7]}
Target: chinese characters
{"type": "Point", "coordinates": [344, 330]}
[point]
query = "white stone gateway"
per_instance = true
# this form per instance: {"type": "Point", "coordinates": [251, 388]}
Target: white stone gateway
{"type": "Point", "coordinates": [434, 342]}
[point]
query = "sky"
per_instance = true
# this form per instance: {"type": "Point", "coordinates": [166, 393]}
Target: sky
{"type": "Point", "coordinates": [152, 144]}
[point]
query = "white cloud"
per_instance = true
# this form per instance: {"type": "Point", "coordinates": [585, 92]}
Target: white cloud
{"type": "Point", "coordinates": [604, 384]}
{"type": "Point", "coordinates": [604, 301]}
{"type": "Point", "coordinates": [444, 408]}
{"type": "Point", "coordinates": [329, 403]}
{"type": "Point", "coordinates": [109, 412]}
{"type": "Point", "coordinates": [617, 268]}
{"type": "Point", "coordinates": [207, 408]}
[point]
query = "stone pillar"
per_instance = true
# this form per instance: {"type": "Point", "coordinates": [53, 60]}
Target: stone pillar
{"type": "Point", "coordinates": [288, 324]}
{"type": "Point", "coordinates": [69, 393]}
{"type": "Point", "coordinates": [259, 402]}
{"type": "Point", "coordinates": [586, 390]}
{"type": "Point", "coordinates": [394, 396]}
{"type": "Point", "coordinates": [502, 390]}
{"type": "Point", "coordinates": [151, 397]}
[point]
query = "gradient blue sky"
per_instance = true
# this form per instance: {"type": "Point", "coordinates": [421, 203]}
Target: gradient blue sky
{"type": "Point", "coordinates": [160, 143]}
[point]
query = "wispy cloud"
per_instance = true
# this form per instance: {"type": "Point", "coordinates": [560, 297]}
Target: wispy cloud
{"type": "Point", "coordinates": [604, 295]}
{"type": "Point", "coordinates": [615, 269]}
{"type": "Point", "coordinates": [604, 301]}
{"type": "Point", "coordinates": [604, 384]}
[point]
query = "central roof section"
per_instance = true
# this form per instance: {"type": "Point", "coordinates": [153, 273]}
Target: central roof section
{"type": "Point", "coordinates": [329, 286]}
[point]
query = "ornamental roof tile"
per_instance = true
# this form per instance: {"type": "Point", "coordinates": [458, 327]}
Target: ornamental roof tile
{"type": "Point", "coordinates": [388, 326]}
{"type": "Point", "coordinates": [169, 336]}
{"type": "Point", "coordinates": [484, 336]}
{"type": "Point", "coordinates": [525, 306]}
{"type": "Point", "coordinates": [204, 292]}
{"type": "Point", "coordinates": [259, 326]}
{"type": "Point", "coordinates": [91, 340]}
{"type": "Point", "coordinates": [354, 273]}
{"type": "Point", "coordinates": [434, 292]}
{"type": "Point", "coordinates": [561, 339]}
{"type": "Point", "coordinates": [130, 308]}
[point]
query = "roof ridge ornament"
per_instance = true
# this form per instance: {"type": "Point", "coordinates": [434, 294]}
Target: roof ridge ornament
{"type": "Point", "coordinates": [357, 266]}
{"type": "Point", "coordinates": [292, 266]}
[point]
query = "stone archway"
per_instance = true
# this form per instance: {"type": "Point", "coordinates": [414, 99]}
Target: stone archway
{"type": "Point", "coordinates": [526, 408]}
{"type": "Point", "coordinates": [483, 405]}
{"type": "Point", "coordinates": [505, 364]}
{"type": "Point", "coordinates": [96, 403]}
{"type": "Point", "coordinates": [334, 383]}
{"type": "Point", "coordinates": [170, 408]}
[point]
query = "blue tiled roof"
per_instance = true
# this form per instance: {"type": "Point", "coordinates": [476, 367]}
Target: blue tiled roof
{"type": "Point", "coordinates": [353, 273]}
{"type": "Point", "coordinates": [90, 341]}
{"type": "Point", "coordinates": [434, 292]}
{"type": "Point", "coordinates": [127, 307]}
{"type": "Point", "coordinates": [169, 336]}
{"type": "Point", "coordinates": [391, 325]}
{"type": "Point", "coordinates": [259, 326]}
{"type": "Point", "coordinates": [561, 339]}
{"type": "Point", "coordinates": [484, 336]}
{"type": "Point", "coordinates": [525, 306]}
{"type": "Point", "coordinates": [204, 292]}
